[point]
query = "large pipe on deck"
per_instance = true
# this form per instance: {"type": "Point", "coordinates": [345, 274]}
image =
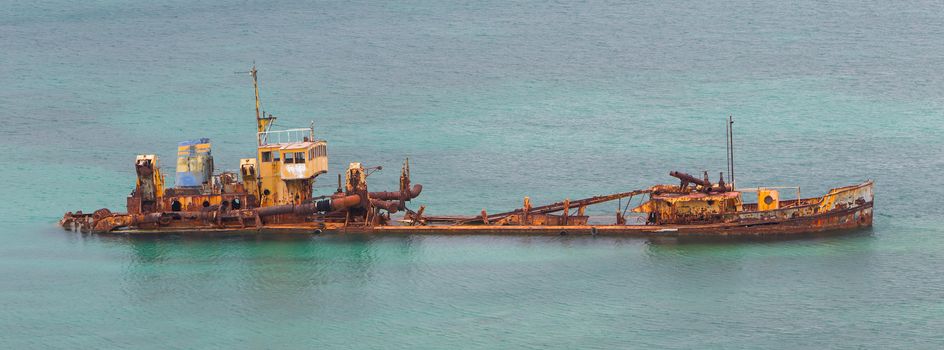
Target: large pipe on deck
{"type": "Point", "coordinates": [390, 206]}
{"type": "Point", "coordinates": [333, 204]}
{"type": "Point", "coordinates": [555, 207]}
{"type": "Point", "coordinates": [390, 195]}
{"type": "Point", "coordinates": [688, 178]}
{"type": "Point", "coordinates": [341, 202]}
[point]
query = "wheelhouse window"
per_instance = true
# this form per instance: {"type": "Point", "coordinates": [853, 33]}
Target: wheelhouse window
{"type": "Point", "coordinates": [266, 156]}
{"type": "Point", "coordinates": [299, 157]}
{"type": "Point", "coordinates": [318, 151]}
{"type": "Point", "coordinates": [289, 158]}
{"type": "Point", "coordinates": [275, 156]}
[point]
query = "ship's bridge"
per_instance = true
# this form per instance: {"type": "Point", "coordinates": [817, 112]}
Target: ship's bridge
{"type": "Point", "coordinates": [295, 152]}
{"type": "Point", "coordinates": [288, 162]}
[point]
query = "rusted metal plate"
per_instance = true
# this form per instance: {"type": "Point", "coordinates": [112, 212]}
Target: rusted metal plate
{"type": "Point", "coordinates": [842, 208]}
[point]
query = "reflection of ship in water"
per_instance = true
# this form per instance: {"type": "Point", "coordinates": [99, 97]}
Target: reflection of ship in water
{"type": "Point", "coordinates": [288, 272]}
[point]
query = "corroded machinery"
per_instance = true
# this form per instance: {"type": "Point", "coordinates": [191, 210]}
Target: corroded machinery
{"type": "Point", "coordinates": [273, 188]}
{"type": "Point", "coordinates": [693, 208]}
{"type": "Point", "coordinates": [272, 192]}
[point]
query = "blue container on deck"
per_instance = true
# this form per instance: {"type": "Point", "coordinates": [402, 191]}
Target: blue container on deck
{"type": "Point", "coordinates": [194, 163]}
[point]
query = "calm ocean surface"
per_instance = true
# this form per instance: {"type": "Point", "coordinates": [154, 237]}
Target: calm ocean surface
{"type": "Point", "coordinates": [492, 101]}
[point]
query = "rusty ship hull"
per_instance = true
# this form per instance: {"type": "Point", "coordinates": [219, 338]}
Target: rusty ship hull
{"type": "Point", "coordinates": [828, 223]}
{"type": "Point", "coordinates": [272, 193]}
{"type": "Point", "coordinates": [842, 210]}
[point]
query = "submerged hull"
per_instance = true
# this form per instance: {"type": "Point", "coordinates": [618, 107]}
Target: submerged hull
{"type": "Point", "coordinates": [844, 208]}
{"type": "Point", "coordinates": [833, 221]}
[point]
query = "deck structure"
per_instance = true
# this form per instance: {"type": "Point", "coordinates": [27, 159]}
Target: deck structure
{"type": "Point", "coordinates": [272, 193]}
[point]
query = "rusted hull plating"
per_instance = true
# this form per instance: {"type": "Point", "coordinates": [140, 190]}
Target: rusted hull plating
{"type": "Point", "coordinates": [844, 208]}
{"type": "Point", "coordinates": [834, 222]}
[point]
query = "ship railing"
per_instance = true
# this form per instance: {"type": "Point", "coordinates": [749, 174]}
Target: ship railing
{"type": "Point", "coordinates": [285, 136]}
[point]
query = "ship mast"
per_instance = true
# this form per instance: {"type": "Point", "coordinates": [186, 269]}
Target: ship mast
{"type": "Point", "coordinates": [263, 121]}
{"type": "Point", "coordinates": [255, 86]}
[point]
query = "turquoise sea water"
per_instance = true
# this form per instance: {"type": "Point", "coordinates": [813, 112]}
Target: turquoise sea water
{"type": "Point", "coordinates": [492, 101]}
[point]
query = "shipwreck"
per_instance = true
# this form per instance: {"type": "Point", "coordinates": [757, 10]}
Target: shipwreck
{"type": "Point", "coordinates": [273, 193]}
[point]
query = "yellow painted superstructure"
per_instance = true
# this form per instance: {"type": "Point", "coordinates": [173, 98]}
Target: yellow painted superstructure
{"type": "Point", "coordinates": [303, 160]}
{"type": "Point", "coordinates": [286, 163]}
{"type": "Point", "coordinates": [287, 170]}
{"type": "Point", "coordinates": [195, 202]}
{"type": "Point", "coordinates": [689, 208]}
{"type": "Point", "coordinates": [249, 171]}
{"type": "Point", "coordinates": [156, 178]}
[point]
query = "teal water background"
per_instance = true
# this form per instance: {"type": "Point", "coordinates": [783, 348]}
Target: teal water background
{"type": "Point", "coordinates": [492, 101]}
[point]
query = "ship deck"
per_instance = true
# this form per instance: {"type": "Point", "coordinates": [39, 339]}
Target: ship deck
{"type": "Point", "coordinates": [834, 221]}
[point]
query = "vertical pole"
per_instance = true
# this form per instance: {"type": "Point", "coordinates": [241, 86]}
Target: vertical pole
{"type": "Point", "coordinates": [731, 141]}
{"type": "Point", "coordinates": [619, 213]}
{"type": "Point", "coordinates": [727, 148]}
{"type": "Point", "coordinates": [255, 87]}
{"type": "Point", "coordinates": [566, 210]}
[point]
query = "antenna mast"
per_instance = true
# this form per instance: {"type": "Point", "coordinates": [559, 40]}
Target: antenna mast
{"type": "Point", "coordinates": [731, 151]}
{"type": "Point", "coordinates": [727, 149]}
{"type": "Point", "coordinates": [263, 120]}
{"type": "Point", "coordinates": [255, 86]}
